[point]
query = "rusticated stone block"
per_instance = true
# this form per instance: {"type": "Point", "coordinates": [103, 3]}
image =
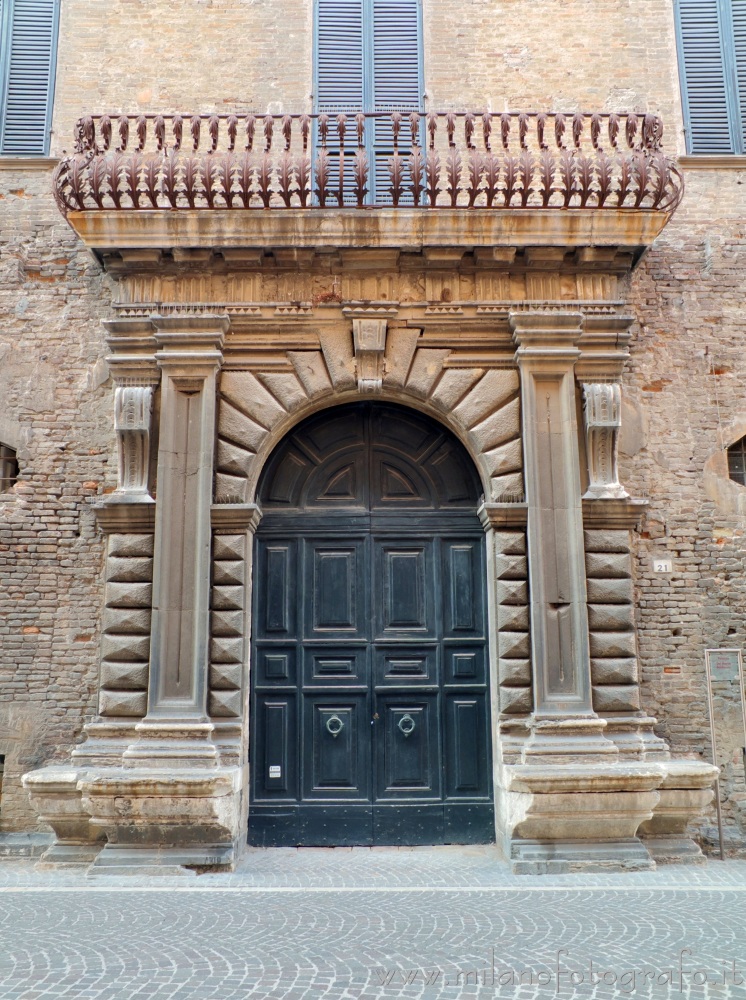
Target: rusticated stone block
{"type": "Point", "coordinates": [616, 698]}
{"type": "Point", "coordinates": [611, 617]}
{"type": "Point", "coordinates": [225, 676]}
{"type": "Point", "coordinates": [607, 565]}
{"type": "Point", "coordinates": [515, 700]}
{"type": "Point", "coordinates": [606, 541]}
{"type": "Point", "coordinates": [515, 673]}
{"type": "Point", "coordinates": [129, 546]}
{"type": "Point", "coordinates": [122, 703]}
{"type": "Point", "coordinates": [491, 393]}
{"type": "Point", "coordinates": [227, 623]}
{"type": "Point", "coordinates": [129, 570]}
{"type": "Point", "coordinates": [512, 618]}
{"type": "Point", "coordinates": [512, 592]}
{"type": "Point", "coordinates": [609, 591]}
{"type": "Point", "coordinates": [511, 543]}
{"type": "Point", "coordinates": [128, 595]}
{"type": "Point", "coordinates": [226, 572]}
{"type": "Point", "coordinates": [228, 547]}
{"type": "Point", "coordinates": [237, 427]}
{"type": "Point", "coordinates": [225, 704]}
{"type": "Point", "coordinates": [230, 489]}
{"type": "Point", "coordinates": [227, 598]}
{"type": "Point", "coordinates": [123, 676]}
{"type": "Point", "coordinates": [513, 645]}
{"type": "Point", "coordinates": [125, 647]}
{"type": "Point", "coordinates": [226, 650]}
{"type": "Point", "coordinates": [510, 567]}
{"type": "Point", "coordinates": [232, 459]}
{"type": "Point", "coordinates": [614, 671]}
{"type": "Point", "coordinates": [128, 621]}
{"type": "Point", "coordinates": [612, 644]}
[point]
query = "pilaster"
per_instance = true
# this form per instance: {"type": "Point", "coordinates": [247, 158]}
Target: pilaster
{"type": "Point", "coordinates": [564, 725]}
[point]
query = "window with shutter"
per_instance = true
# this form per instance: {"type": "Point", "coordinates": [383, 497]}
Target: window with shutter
{"type": "Point", "coordinates": [712, 68]}
{"type": "Point", "coordinates": [368, 58]}
{"type": "Point", "coordinates": [28, 49]}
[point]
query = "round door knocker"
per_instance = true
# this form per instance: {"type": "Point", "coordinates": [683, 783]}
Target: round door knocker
{"type": "Point", "coordinates": [406, 725]}
{"type": "Point", "coordinates": [334, 725]}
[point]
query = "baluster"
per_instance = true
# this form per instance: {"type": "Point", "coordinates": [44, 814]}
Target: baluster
{"type": "Point", "coordinates": [269, 125]}
{"type": "Point", "coordinates": [213, 127]}
{"type": "Point", "coordinates": [232, 132]}
{"type": "Point", "coordinates": [105, 129]}
{"type": "Point", "coordinates": [541, 124]}
{"type": "Point", "coordinates": [487, 130]}
{"type": "Point", "coordinates": [341, 128]}
{"type": "Point", "coordinates": [195, 126]}
{"type": "Point", "coordinates": [522, 130]}
{"type": "Point", "coordinates": [250, 128]}
{"type": "Point", "coordinates": [141, 127]}
{"type": "Point", "coordinates": [505, 130]}
{"type": "Point", "coordinates": [287, 131]}
{"type": "Point", "coordinates": [124, 132]}
{"type": "Point", "coordinates": [159, 128]}
{"type": "Point", "coordinates": [178, 129]}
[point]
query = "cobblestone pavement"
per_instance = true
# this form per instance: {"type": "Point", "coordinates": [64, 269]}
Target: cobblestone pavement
{"type": "Point", "coordinates": [341, 924]}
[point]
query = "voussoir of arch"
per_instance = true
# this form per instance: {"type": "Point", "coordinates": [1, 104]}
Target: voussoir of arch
{"type": "Point", "coordinates": [258, 408]}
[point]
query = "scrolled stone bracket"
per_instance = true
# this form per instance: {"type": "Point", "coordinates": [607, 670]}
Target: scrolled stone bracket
{"type": "Point", "coordinates": [369, 341]}
{"type": "Point", "coordinates": [602, 413]}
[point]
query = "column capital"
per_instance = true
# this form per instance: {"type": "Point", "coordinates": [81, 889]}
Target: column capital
{"type": "Point", "coordinates": [132, 344]}
{"type": "Point", "coordinates": [547, 337]}
{"type": "Point", "coordinates": [189, 342]}
{"type": "Point", "coordinates": [604, 347]}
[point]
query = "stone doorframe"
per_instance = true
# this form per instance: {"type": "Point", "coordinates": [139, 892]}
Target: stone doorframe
{"type": "Point", "coordinates": [161, 778]}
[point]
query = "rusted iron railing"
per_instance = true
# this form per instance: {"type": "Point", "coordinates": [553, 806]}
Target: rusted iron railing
{"type": "Point", "coordinates": [472, 161]}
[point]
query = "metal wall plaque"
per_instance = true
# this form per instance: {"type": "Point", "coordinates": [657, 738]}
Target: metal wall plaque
{"type": "Point", "coordinates": [723, 664]}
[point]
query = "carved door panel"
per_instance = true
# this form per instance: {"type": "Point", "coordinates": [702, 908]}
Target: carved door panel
{"type": "Point", "coordinates": [369, 720]}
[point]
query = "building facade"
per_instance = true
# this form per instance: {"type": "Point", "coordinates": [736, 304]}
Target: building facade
{"type": "Point", "coordinates": [372, 427]}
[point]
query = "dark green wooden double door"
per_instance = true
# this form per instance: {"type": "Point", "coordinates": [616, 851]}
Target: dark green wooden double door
{"type": "Point", "coordinates": [370, 704]}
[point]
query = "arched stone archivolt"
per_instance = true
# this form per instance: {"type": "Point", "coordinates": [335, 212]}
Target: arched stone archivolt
{"type": "Point", "coordinates": [257, 408]}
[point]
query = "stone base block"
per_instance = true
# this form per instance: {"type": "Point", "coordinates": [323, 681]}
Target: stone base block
{"type": "Point", "coordinates": [685, 793]}
{"type": "Point", "coordinates": [189, 816]}
{"type": "Point", "coordinates": [165, 861]}
{"type": "Point", "coordinates": [24, 845]}
{"type": "Point", "coordinates": [61, 855]}
{"type": "Point", "coordinates": [562, 857]}
{"type": "Point", "coordinates": [55, 794]}
{"type": "Point", "coordinates": [674, 850]}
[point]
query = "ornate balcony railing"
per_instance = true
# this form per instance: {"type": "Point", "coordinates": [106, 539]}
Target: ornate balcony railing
{"type": "Point", "coordinates": [471, 161]}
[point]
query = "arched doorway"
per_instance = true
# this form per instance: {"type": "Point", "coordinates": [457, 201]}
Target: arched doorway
{"type": "Point", "coordinates": [370, 685]}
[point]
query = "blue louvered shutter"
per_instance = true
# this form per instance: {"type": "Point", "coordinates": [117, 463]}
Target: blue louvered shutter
{"type": "Point", "coordinates": [28, 52]}
{"type": "Point", "coordinates": [709, 85]}
{"type": "Point", "coordinates": [340, 74]}
{"type": "Point", "coordinates": [397, 79]}
{"type": "Point", "coordinates": [739, 45]}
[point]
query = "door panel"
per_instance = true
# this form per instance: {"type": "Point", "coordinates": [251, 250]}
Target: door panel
{"type": "Point", "coordinates": [335, 752]}
{"type": "Point", "coordinates": [408, 762]}
{"type": "Point", "coordinates": [404, 588]}
{"type": "Point", "coordinates": [369, 700]}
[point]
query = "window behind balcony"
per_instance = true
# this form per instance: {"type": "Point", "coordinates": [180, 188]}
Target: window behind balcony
{"type": "Point", "coordinates": [369, 58]}
{"type": "Point", "coordinates": [28, 46]}
{"type": "Point", "coordinates": [712, 69]}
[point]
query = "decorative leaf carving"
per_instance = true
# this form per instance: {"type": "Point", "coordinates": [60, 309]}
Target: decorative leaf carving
{"type": "Point", "coordinates": [585, 175]}
{"type": "Point", "coordinates": [469, 130]}
{"type": "Point", "coordinates": [432, 127]}
{"type": "Point", "coordinates": [114, 167]}
{"type": "Point", "coordinates": [595, 131]}
{"type": "Point", "coordinates": [475, 176]}
{"type": "Point", "coordinates": [567, 175]}
{"type": "Point", "coordinates": [178, 129]}
{"type": "Point", "coordinates": [360, 126]}
{"type": "Point", "coordinates": [625, 179]}
{"type": "Point", "coordinates": [171, 178]}
{"type": "Point", "coordinates": [208, 172]}
{"type": "Point", "coordinates": [510, 177]}
{"type": "Point", "coordinates": [432, 171]}
{"type": "Point", "coordinates": [190, 176]}
{"type": "Point", "coordinates": [152, 180]}
{"type": "Point", "coordinates": [453, 171]}
{"type": "Point", "coordinates": [303, 178]}
{"type": "Point", "coordinates": [396, 171]}
{"type": "Point", "coordinates": [159, 128]}
{"type": "Point", "coordinates": [641, 172]}
{"type": "Point", "coordinates": [396, 119]}
{"type": "Point", "coordinates": [414, 128]}
{"type": "Point", "coordinates": [287, 130]}
{"type": "Point", "coordinates": [269, 126]}
{"type": "Point", "coordinates": [416, 171]}
{"type": "Point", "coordinates": [123, 126]}
{"type": "Point", "coordinates": [547, 172]}
{"type": "Point", "coordinates": [232, 124]}
{"type": "Point", "coordinates": [451, 129]}
{"type": "Point", "coordinates": [613, 130]}
{"type": "Point", "coordinates": [522, 129]}
{"type": "Point", "coordinates": [141, 127]}
{"type": "Point", "coordinates": [631, 130]}
{"type": "Point", "coordinates": [264, 177]}
{"type": "Point", "coordinates": [78, 181]}
{"type": "Point", "coordinates": [226, 174]}
{"type": "Point", "coordinates": [97, 179]}
{"type": "Point", "coordinates": [505, 129]}
{"type": "Point", "coordinates": [541, 124]}
{"type": "Point", "coordinates": [250, 129]}
{"type": "Point", "coordinates": [578, 121]}
{"type": "Point", "coordinates": [487, 130]}
{"type": "Point", "coordinates": [213, 127]}
{"type": "Point", "coordinates": [305, 129]}
{"type": "Point", "coordinates": [322, 176]}
{"type": "Point", "coordinates": [559, 130]}
{"type": "Point", "coordinates": [323, 129]}
{"type": "Point", "coordinates": [605, 173]}
{"type": "Point", "coordinates": [491, 173]}
{"type": "Point", "coordinates": [132, 169]}
{"type": "Point", "coordinates": [105, 129]}
{"type": "Point", "coordinates": [361, 176]}
{"type": "Point", "coordinates": [285, 176]}
{"type": "Point", "coordinates": [242, 175]}
{"type": "Point", "coordinates": [526, 166]}
{"type": "Point", "coordinates": [194, 127]}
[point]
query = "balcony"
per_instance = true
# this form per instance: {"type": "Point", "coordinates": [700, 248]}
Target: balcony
{"type": "Point", "coordinates": [220, 182]}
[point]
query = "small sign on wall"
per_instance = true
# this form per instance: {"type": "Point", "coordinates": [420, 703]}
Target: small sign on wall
{"type": "Point", "coordinates": [662, 566]}
{"type": "Point", "coordinates": [724, 664]}
{"type": "Point", "coordinates": [275, 771]}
